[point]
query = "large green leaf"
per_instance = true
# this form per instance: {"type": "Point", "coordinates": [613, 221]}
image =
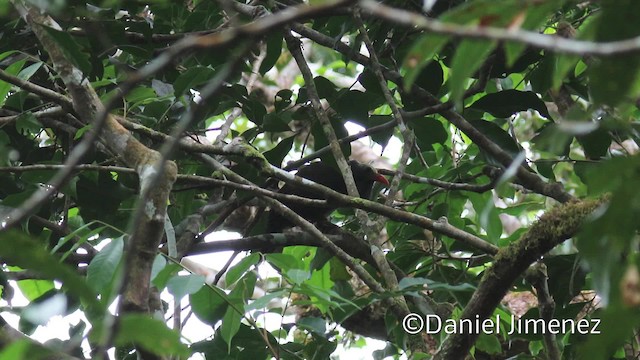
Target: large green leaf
{"type": "Point", "coordinates": [421, 55]}
{"type": "Point", "coordinates": [209, 305]}
{"type": "Point", "coordinates": [151, 334]}
{"type": "Point", "coordinates": [237, 270]}
{"type": "Point", "coordinates": [429, 132]}
{"type": "Point", "coordinates": [230, 325]}
{"type": "Point", "coordinates": [19, 249]}
{"type": "Point", "coordinates": [505, 103]}
{"type": "Point", "coordinates": [468, 58]}
{"type": "Point", "coordinates": [274, 49]}
{"type": "Point", "coordinates": [72, 51]}
{"type": "Point", "coordinates": [12, 69]}
{"type": "Point", "coordinates": [179, 286]}
{"type": "Point", "coordinates": [191, 78]}
{"type": "Point", "coordinates": [498, 135]}
{"type": "Point", "coordinates": [103, 268]}
{"type": "Point", "coordinates": [276, 155]}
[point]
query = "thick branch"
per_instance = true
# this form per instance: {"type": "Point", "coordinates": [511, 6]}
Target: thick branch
{"type": "Point", "coordinates": [554, 227]}
{"type": "Point", "coordinates": [87, 105]}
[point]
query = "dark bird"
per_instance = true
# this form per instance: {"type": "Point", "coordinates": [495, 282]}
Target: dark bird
{"type": "Point", "coordinates": [321, 173]}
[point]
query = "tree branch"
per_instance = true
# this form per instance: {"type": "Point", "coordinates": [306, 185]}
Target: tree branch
{"type": "Point", "coordinates": [41, 91]}
{"type": "Point", "coordinates": [554, 227]}
{"type": "Point", "coordinates": [528, 179]}
{"type": "Point", "coordinates": [541, 41]}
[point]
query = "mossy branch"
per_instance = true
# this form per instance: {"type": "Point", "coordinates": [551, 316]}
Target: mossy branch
{"type": "Point", "coordinates": [554, 227]}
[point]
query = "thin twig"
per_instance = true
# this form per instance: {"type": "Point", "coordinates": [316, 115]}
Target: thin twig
{"type": "Point", "coordinates": [479, 188]}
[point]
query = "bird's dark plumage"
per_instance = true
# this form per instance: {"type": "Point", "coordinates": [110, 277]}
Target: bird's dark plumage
{"type": "Point", "coordinates": [321, 173]}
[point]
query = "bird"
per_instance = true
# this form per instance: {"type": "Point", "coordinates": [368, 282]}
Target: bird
{"type": "Point", "coordinates": [324, 174]}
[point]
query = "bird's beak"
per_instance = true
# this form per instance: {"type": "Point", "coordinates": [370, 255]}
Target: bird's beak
{"type": "Point", "coordinates": [381, 179]}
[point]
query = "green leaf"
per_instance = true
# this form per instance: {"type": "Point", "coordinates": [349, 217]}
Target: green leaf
{"type": "Point", "coordinates": [276, 122]}
{"type": "Point", "coordinates": [297, 276]}
{"type": "Point", "coordinates": [545, 168]}
{"type": "Point", "coordinates": [140, 94]}
{"type": "Point", "coordinates": [230, 325]}
{"type": "Point", "coordinates": [487, 215]}
{"type": "Point", "coordinates": [276, 155]}
{"type": "Point", "coordinates": [41, 312]}
{"type": "Point", "coordinates": [498, 135]}
{"type": "Point", "coordinates": [72, 51]}
{"type": "Point", "coordinates": [471, 53]}
{"type": "Point", "coordinates": [563, 268]}
{"type": "Point", "coordinates": [605, 239]}
{"type": "Point", "coordinates": [103, 268]}
{"type": "Point", "coordinates": [6, 54]}
{"type": "Point", "coordinates": [468, 58]}
{"type": "Point", "coordinates": [244, 288]}
{"type": "Point", "coordinates": [562, 65]}
{"type": "Point", "coordinates": [20, 349]}
{"type": "Point", "coordinates": [488, 344]}
{"type": "Point", "coordinates": [542, 76]}
{"type": "Point", "coordinates": [313, 324]}
{"type": "Point", "coordinates": [12, 69]}
{"type": "Point", "coordinates": [429, 132]}
{"type": "Point", "coordinates": [159, 263]}
{"type": "Point", "coordinates": [410, 282]}
{"type": "Point", "coordinates": [19, 249]}
{"type": "Point", "coordinates": [83, 233]}
{"type": "Point", "coordinates": [164, 274]}
{"type": "Point", "coordinates": [381, 136]}
{"type": "Point", "coordinates": [256, 113]}
{"type": "Point", "coordinates": [33, 289]}
{"type": "Point", "coordinates": [274, 49]}
{"type": "Point", "coordinates": [354, 105]}
{"type": "Point", "coordinates": [284, 261]}
{"type": "Point", "coordinates": [505, 103]}
{"type": "Point", "coordinates": [431, 78]}
{"type": "Point", "coordinates": [209, 305]}
{"type": "Point", "coordinates": [237, 270]}
{"type": "Point", "coordinates": [283, 99]}
{"type": "Point", "coordinates": [151, 334]}
{"type": "Point", "coordinates": [26, 124]}
{"type": "Point", "coordinates": [28, 72]}
{"type": "Point", "coordinates": [465, 287]}
{"type": "Point", "coordinates": [617, 324]}
{"type": "Point", "coordinates": [420, 55]}
{"type": "Point", "coordinates": [369, 81]}
{"type": "Point", "coordinates": [179, 286]}
{"type": "Point", "coordinates": [326, 90]}
{"type": "Point", "coordinates": [596, 143]}
{"type": "Point", "coordinates": [194, 76]}
{"type": "Point", "coordinates": [80, 132]}
{"type": "Point", "coordinates": [553, 139]}
{"type": "Point", "coordinates": [263, 301]}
